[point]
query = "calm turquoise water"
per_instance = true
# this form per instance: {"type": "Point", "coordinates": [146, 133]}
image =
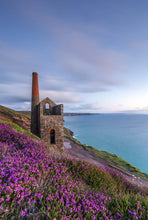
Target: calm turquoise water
{"type": "Point", "coordinates": [121, 134]}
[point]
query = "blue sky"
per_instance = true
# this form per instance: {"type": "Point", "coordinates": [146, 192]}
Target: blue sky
{"type": "Point", "coordinates": [92, 56]}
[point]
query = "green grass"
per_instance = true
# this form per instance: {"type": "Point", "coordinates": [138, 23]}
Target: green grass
{"type": "Point", "coordinates": [9, 113]}
{"type": "Point", "coordinates": [20, 129]}
{"type": "Point", "coordinates": [25, 113]}
{"type": "Point", "coordinates": [112, 158]}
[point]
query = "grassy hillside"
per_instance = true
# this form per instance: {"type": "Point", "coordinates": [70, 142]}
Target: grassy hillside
{"type": "Point", "coordinates": [16, 117]}
{"type": "Point", "coordinates": [21, 119]}
{"type": "Point", "coordinates": [9, 113]}
{"type": "Point", "coordinates": [35, 184]}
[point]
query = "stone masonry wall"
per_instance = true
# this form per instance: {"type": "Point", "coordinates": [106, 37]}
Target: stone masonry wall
{"type": "Point", "coordinates": [48, 122]}
{"type": "Point", "coordinates": [53, 120]}
{"type": "Point", "coordinates": [58, 109]}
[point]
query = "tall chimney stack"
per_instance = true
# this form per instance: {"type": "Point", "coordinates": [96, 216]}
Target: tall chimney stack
{"type": "Point", "coordinates": [35, 90]}
{"type": "Point", "coordinates": [34, 104]}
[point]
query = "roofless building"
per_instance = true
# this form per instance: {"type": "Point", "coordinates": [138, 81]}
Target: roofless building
{"type": "Point", "coordinates": [46, 117]}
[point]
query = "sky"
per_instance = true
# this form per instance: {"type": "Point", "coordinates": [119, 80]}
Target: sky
{"type": "Point", "coordinates": [91, 56]}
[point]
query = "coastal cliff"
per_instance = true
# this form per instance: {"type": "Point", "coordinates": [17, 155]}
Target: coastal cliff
{"type": "Point", "coordinates": [22, 118]}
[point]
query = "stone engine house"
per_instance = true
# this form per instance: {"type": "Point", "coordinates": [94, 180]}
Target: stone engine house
{"type": "Point", "coordinates": [46, 117]}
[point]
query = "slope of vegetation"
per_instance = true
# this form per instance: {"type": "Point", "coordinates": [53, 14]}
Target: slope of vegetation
{"type": "Point", "coordinates": [9, 113]}
{"type": "Point", "coordinates": [36, 185]}
{"type": "Point", "coordinates": [20, 129]}
{"type": "Point", "coordinates": [16, 117]}
{"type": "Point", "coordinates": [112, 158]}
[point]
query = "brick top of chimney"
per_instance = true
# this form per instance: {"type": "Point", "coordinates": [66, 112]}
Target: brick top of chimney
{"type": "Point", "coordinates": [35, 87]}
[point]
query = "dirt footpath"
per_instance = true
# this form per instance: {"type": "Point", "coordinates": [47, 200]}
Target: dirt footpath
{"type": "Point", "coordinates": [76, 151]}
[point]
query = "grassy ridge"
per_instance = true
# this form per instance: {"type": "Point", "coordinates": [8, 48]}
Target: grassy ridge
{"type": "Point", "coordinates": [9, 113]}
{"type": "Point", "coordinates": [112, 158]}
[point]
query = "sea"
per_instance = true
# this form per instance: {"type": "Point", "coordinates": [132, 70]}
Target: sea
{"type": "Point", "coordinates": [125, 135]}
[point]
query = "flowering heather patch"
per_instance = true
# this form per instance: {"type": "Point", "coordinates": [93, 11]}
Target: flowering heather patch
{"type": "Point", "coordinates": [36, 185]}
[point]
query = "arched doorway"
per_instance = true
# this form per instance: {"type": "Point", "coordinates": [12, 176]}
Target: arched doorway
{"type": "Point", "coordinates": [52, 136]}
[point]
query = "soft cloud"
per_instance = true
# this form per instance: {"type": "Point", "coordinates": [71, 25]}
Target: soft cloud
{"type": "Point", "coordinates": [86, 107]}
{"type": "Point", "coordinates": [141, 46]}
{"type": "Point", "coordinates": [13, 59]}
{"type": "Point", "coordinates": [136, 110]}
{"type": "Point", "coordinates": [14, 93]}
{"type": "Point", "coordinates": [60, 97]}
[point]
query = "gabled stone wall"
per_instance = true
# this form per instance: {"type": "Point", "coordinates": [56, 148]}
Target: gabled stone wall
{"type": "Point", "coordinates": [53, 120]}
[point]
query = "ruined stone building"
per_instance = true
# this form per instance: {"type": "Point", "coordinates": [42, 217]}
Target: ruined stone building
{"type": "Point", "coordinates": [46, 117]}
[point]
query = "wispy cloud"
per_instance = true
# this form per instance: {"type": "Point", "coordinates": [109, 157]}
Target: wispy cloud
{"type": "Point", "coordinates": [141, 46]}
{"type": "Point", "coordinates": [136, 111]}
{"type": "Point", "coordinates": [15, 64]}
{"type": "Point", "coordinates": [14, 93]}
{"type": "Point", "coordinates": [61, 97]}
{"type": "Point", "coordinates": [84, 108]}
{"type": "Point", "coordinates": [91, 65]}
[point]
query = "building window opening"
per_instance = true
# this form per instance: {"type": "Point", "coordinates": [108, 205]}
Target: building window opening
{"type": "Point", "coordinates": [52, 136]}
{"type": "Point", "coordinates": [47, 106]}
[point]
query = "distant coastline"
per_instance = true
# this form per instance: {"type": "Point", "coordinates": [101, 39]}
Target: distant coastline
{"type": "Point", "coordinates": [79, 114]}
{"type": "Point", "coordinates": [65, 114]}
